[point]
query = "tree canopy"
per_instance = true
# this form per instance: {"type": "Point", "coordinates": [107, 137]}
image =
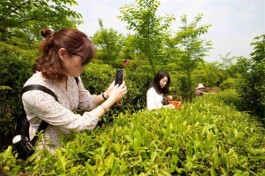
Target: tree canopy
{"type": "Point", "coordinates": [148, 27]}
{"type": "Point", "coordinates": [24, 19]}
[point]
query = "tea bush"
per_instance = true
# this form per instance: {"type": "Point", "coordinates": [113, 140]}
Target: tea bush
{"type": "Point", "coordinates": [15, 69]}
{"type": "Point", "coordinates": [229, 97]}
{"type": "Point", "coordinates": [229, 83]}
{"type": "Point", "coordinates": [206, 137]}
{"type": "Point", "coordinates": [8, 163]}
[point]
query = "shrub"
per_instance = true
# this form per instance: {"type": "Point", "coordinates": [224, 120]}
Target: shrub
{"type": "Point", "coordinates": [252, 86]}
{"type": "Point", "coordinates": [8, 163]}
{"type": "Point", "coordinates": [206, 137]}
{"type": "Point", "coordinates": [229, 83]}
{"type": "Point", "coordinates": [230, 97]}
{"type": "Point", "coordinates": [15, 69]}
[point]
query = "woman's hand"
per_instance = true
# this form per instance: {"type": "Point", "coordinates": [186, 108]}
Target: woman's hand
{"type": "Point", "coordinates": [115, 94]}
{"type": "Point", "coordinates": [169, 97]}
{"type": "Point", "coordinates": [109, 89]}
{"type": "Point", "coordinates": [118, 92]}
{"type": "Point", "coordinates": [170, 106]}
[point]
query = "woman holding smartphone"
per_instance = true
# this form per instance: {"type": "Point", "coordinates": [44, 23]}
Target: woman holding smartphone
{"type": "Point", "coordinates": [64, 54]}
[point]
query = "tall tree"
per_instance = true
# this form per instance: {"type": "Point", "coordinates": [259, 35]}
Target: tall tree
{"type": "Point", "coordinates": [252, 88]}
{"type": "Point", "coordinates": [227, 61]}
{"type": "Point", "coordinates": [26, 17]}
{"type": "Point", "coordinates": [109, 42]}
{"type": "Point", "coordinates": [193, 47]}
{"type": "Point", "coordinates": [212, 73]}
{"type": "Point", "coordinates": [129, 51]}
{"type": "Point", "coordinates": [148, 27]}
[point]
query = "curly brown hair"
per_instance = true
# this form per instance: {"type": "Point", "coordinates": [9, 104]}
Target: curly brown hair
{"type": "Point", "coordinates": [74, 41]}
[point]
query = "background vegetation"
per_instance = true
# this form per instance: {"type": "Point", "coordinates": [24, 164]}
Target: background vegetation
{"type": "Point", "coordinates": [216, 134]}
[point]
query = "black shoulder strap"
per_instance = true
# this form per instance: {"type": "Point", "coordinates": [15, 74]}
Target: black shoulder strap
{"type": "Point", "coordinates": [43, 124]}
{"type": "Point", "coordinates": [76, 80]}
{"type": "Point", "coordinates": [39, 87]}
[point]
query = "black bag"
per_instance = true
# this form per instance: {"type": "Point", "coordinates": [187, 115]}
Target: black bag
{"type": "Point", "coordinates": [23, 145]}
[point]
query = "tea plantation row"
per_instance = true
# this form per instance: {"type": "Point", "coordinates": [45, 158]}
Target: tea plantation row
{"type": "Point", "coordinates": [206, 137]}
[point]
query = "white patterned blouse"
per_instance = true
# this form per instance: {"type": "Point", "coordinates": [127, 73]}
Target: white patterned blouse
{"type": "Point", "coordinates": [60, 115]}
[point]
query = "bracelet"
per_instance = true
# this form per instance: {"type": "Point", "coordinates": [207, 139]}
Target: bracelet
{"type": "Point", "coordinates": [103, 96]}
{"type": "Point", "coordinates": [104, 107]}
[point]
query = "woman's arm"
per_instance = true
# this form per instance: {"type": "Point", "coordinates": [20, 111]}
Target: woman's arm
{"type": "Point", "coordinates": [116, 94]}
{"type": "Point", "coordinates": [44, 106]}
{"type": "Point", "coordinates": [104, 96]}
{"type": "Point", "coordinates": [169, 97]}
{"type": "Point", "coordinates": [88, 101]}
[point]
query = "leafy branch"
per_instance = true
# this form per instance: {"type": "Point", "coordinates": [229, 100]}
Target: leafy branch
{"type": "Point", "coordinates": [14, 10]}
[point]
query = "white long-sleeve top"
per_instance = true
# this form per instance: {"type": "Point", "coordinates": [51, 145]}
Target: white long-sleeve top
{"type": "Point", "coordinates": [153, 99]}
{"type": "Point", "coordinates": [59, 115]}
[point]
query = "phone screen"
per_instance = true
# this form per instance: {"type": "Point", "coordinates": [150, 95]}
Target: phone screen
{"type": "Point", "coordinates": [119, 77]}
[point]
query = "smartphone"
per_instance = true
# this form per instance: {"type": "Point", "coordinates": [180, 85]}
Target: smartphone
{"type": "Point", "coordinates": [119, 76]}
{"type": "Point", "coordinates": [118, 80]}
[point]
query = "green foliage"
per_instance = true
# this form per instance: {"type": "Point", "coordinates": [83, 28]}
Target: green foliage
{"type": "Point", "coordinates": [21, 21]}
{"type": "Point", "coordinates": [229, 97]}
{"type": "Point", "coordinates": [175, 88]}
{"type": "Point", "coordinates": [5, 88]}
{"type": "Point", "coordinates": [129, 51]}
{"type": "Point", "coordinates": [227, 61]}
{"type": "Point", "coordinates": [15, 69]}
{"type": "Point", "coordinates": [206, 137]}
{"type": "Point", "coordinates": [8, 163]}
{"type": "Point", "coordinates": [231, 70]}
{"type": "Point", "coordinates": [229, 83]}
{"type": "Point", "coordinates": [149, 29]}
{"type": "Point", "coordinates": [137, 83]}
{"type": "Point", "coordinates": [238, 69]}
{"type": "Point", "coordinates": [252, 86]}
{"type": "Point", "coordinates": [97, 77]}
{"type": "Point", "coordinates": [212, 74]}
{"type": "Point", "coordinates": [192, 48]}
{"type": "Point", "coordinates": [109, 43]}
{"type": "Point", "coordinates": [184, 85]}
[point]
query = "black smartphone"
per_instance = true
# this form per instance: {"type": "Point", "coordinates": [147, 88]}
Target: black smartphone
{"type": "Point", "coordinates": [118, 80]}
{"type": "Point", "coordinates": [119, 76]}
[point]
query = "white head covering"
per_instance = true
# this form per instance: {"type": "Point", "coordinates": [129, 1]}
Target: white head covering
{"type": "Point", "coordinates": [200, 86]}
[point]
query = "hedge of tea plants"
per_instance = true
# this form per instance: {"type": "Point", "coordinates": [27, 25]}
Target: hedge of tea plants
{"type": "Point", "coordinates": [15, 69]}
{"type": "Point", "coordinates": [206, 137]}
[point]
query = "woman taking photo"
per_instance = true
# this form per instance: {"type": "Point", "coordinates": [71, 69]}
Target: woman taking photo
{"type": "Point", "coordinates": [157, 90]}
{"type": "Point", "coordinates": [64, 54]}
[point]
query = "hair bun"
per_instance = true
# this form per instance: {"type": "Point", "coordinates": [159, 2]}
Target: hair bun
{"type": "Point", "coordinates": [46, 32]}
